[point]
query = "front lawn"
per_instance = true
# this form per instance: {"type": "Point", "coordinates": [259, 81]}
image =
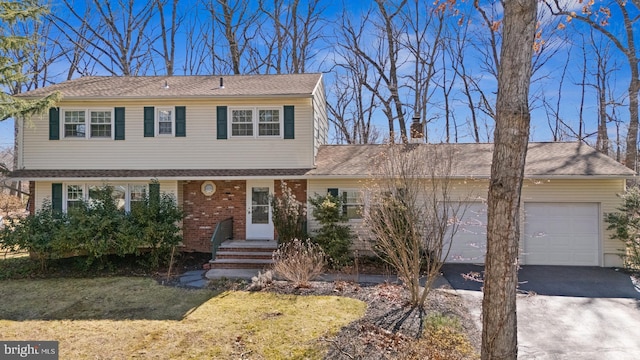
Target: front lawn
{"type": "Point", "coordinates": [124, 317]}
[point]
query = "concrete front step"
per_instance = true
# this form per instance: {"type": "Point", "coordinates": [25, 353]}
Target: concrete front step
{"type": "Point", "coordinates": [240, 263]}
{"type": "Point", "coordinates": [267, 255]}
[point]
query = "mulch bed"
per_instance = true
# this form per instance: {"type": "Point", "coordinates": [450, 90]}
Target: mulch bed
{"type": "Point", "coordinates": [389, 324]}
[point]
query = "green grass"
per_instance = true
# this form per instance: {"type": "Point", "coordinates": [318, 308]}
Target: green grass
{"type": "Point", "coordinates": [124, 317]}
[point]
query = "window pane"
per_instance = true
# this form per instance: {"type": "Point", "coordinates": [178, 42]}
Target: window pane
{"type": "Point", "coordinates": [269, 129]}
{"type": "Point", "coordinates": [352, 204]}
{"type": "Point", "coordinates": [165, 122]}
{"type": "Point", "coordinates": [164, 128]}
{"type": "Point", "coordinates": [242, 116]}
{"type": "Point", "coordinates": [74, 124]}
{"type": "Point", "coordinates": [74, 196]}
{"type": "Point", "coordinates": [269, 122]}
{"type": "Point", "coordinates": [101, 124]}
{"type": "Point", "coordinates": [138, 192]}
{"type": "Point", "coordinates": [119, 195]}
{"type": "Point", "coordinates": [269, 116]}
{"type": "Point", "coordinates": [353, 211]}
{"type": "Point", "coordinates": [242, 129]}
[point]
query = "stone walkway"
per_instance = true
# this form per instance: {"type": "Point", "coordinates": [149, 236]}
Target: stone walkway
{"type": "Point", "coordinates": [200, 278]}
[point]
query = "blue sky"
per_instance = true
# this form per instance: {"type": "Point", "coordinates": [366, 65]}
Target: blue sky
{"type": "Point", "coordinates": [547, 85]}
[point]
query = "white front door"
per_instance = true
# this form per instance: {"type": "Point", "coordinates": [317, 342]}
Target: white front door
{"type": "Point", "coordinates": [259, 223]}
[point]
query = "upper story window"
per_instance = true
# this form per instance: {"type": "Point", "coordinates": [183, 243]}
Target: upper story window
{"type": "Point", "coordinates": [101, 124]}
{"type": "Point", "coordinates": [256, 122]}
{"type": "Point", "coordinates": [74, 123]}
{"type": "Point", "coordinates": [242, 122]}
{"type": "Point", "coordinates": [269, 122]}
{"type": "Point", "coordinates": [77, 121]}
{"type": "Point", "coordinates": [165, 118]}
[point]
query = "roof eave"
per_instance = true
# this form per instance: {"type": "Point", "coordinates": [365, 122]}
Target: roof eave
{"type": "Point", "coordinates": [198, 97]}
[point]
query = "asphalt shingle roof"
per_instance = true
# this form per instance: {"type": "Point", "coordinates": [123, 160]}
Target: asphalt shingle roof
{"type": "Point", "coordinates": [182, 86]}
{"type": "Point", "coordinates": [474, 160]}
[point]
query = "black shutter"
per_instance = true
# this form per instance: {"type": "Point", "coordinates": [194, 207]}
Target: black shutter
{"type": "Point", "coordinates": [119, 123]}
{"type": "Point", "coordinates": [154, 194]}
{"type": "Point", "coordinates": [221, 122]}
{"type": "Point", "coordinates": [333, 192]}
{"type": "Point", "coordinates": [181, 121]}
{"type": "Point", "coordinates": [289, 122]}
{"type": "Point", "coordinates": [149, 131]}
{"type": "Point", "coordinates": [56, 197]}
{"type": "Point", "coordinates": [54, 123]}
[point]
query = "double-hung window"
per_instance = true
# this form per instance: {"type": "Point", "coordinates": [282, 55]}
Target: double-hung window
{"type": "Point", "coordinates": [268, 122]}
{"type": "Point", "coordinates": [137, 195]}
{"type": "Point", "coordinates": [352, 203]}
{"type": "Point", "coordinates": [242, 122]}
{"type": "Point", "coordinates": [75, 124]}
{"type": "Point", "coordinates": [165, 118]}
{"type": "Point", "coordinates": [87, 124]}
{"type": "Point", "coordinates": [101, 124]}
{"type": "Point", "coordinates": [256, 122]}
{"type": "Point", "coordinates": [75, 196]}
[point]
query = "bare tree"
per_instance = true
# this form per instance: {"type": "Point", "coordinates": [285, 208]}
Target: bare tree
{"type": "Point", "coordinates": [168, 34]}
{"type": "Point", "coordinates": [499, 325]}
{"type": "Point", "coordinates": [113, 36]}
{"type": "Point", "coordinates": [625, 42]}
{"type": "Point", "coordinates": [414, 214]}
{"type": "Point", "coordinates": [239, 23]}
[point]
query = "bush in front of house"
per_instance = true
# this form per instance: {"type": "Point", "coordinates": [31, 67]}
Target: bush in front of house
{"type": "Point", "coordinates": [289, 215]}
{"type": "Point", "coordinates": [334, 237]}
{"type": "Point", "coordinates": [626, 226]}
{"type": "Point", "coordinates": [96, 229]}
{"type": "Point", "coordinates": [299, 261]}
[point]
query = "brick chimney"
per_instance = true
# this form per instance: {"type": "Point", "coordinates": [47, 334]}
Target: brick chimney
{"type": "Point", "coordinates": [417, 130]}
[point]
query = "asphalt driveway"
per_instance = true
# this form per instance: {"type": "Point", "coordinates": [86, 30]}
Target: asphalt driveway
{"type": "Point", "coordinates": [566, 312]}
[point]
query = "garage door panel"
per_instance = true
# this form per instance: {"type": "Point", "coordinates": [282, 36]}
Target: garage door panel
{"type": "Point", "coordinates": [469, 242]}
{"type": "Point", "coordinates": [561, 234]}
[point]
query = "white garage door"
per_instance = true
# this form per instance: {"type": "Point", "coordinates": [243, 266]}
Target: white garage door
{"type": "Point", "coordinates": [561, 234]}
{"type": "Point", "coordinates": [469, 244]}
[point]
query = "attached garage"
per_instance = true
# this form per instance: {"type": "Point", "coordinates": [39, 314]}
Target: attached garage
{"type": "Point", "coordinates": [567, 189]}
{"type": "Point", "coordinates": [561, 234]}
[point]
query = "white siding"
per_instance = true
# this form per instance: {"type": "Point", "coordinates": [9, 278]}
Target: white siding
{"type": "Point", "coordinates": [43, 189]}
{"type": "Point", "coordinates": [603, 192]}
{"type": "Point", "coordinates": [321, 120]}
{"type": "Point", "coordinates": [198, 150]}
{"type": "Point", "coordinates": [600, 191]}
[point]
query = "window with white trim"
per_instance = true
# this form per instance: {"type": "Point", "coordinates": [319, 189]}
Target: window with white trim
{"type": "Point", "coordinates": [137, 195]}
{"type": "Point", "coordinates": [74, 195]}
{"type": "Point", "coordinates": [125, 195]}
{"type": "Point", "coordinates": [352, 203]}
{"type": "Point", "coordinates": [87, 123]}
{"type": "Point", "coordinates": [256, 122]}
{"type": "Point", "coordinates": [165, 118]}
{"type": "Point", "coordinates": [101, 124]}
{"type": "Point", "coordinates": [268, 122]}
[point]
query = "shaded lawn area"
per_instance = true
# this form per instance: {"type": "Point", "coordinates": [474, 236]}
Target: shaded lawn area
{"type": "Point", "coordinates": [127, 317]}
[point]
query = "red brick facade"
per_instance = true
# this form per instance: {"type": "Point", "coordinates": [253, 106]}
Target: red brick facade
{"type": "Point", "coordinates": [202, 213]}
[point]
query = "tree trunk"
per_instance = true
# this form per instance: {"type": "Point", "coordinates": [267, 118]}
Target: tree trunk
{"type": "Point", "coordinates": [499, 326]}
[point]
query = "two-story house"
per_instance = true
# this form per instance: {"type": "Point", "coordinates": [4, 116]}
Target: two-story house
{"type": "Point", "coordinates": [219, 144]}
{"type": "Point", "coordinates": [222, 145]}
